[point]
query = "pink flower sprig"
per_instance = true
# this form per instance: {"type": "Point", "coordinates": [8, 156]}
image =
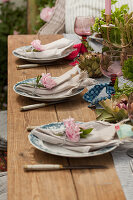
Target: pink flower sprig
{"type": "Point", "coordinates": [36, 44]}
{"type": "Point", "coordinates": [75, 131]}
{"type": "Point", "coordinates": [46, 80]}
{"type": "Point", "coordinates": [72, 130]}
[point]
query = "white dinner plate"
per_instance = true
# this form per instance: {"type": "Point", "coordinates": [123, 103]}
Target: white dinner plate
{"type": "Point", "coordinates": [33, 80]}
{"type": "Point", "coordinates": [38, 60]}
{"type": "Point", "coordinates": [59, 150]}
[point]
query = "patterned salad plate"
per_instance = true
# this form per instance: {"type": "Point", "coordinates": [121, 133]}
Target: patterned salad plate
{"type": "Point", "coordinates": [33, 81]}
{"type": "Point", "coordinates": [59, 150]}
{"type": "Point", "coordinates": [35, 60]}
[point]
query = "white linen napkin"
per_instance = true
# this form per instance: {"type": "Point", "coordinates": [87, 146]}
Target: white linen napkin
{"type": "Point", "coordinates": [65, 85]}
{"type": "Point", "coordinates": [55, 49]}
{"type": "Point", "coordinates": [101, 136]}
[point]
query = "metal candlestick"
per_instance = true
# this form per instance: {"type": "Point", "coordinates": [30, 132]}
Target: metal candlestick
{"type": "Point", "coordinates": [108, 19]}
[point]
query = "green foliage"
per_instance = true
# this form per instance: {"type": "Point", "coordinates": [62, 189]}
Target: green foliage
{"type": "Point", "coordinates": [125, 89]}
{"type": "Point", "coordinates": [117, 17]}
{"type": "Point", "coordinates": [127, 69]}
{"type": "Point", "coordinates": [11, 19]}
{"type": "Point", "coordinates": [40, 5]}
{"type": "Point", "coordinates": [85, 133]}
{"type": "Point", "coordinates": [113, 1]}
{"type": "Point", "coordinates": [38, 80]}
{"type": "Point", "coordinates": [116, 85]}
{"type": "Point", "coordinates": [118, 13]}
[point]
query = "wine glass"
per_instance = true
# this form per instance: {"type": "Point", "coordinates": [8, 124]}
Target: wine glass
{"type": "Point", "coordinates": [82, 27]}
{"type": "Point", "coordinates": [111, 65]}
{"type": "Point", "coordinates": [130, 116]}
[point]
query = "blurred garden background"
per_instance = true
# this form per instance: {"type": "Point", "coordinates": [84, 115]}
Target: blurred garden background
{"type": "Point", "coordinates": [19, 17]}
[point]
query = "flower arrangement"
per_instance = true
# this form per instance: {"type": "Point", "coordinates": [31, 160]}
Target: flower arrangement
{"type": "Point", "coordinates": [12, 21]}
{"type": "Point", "coordinates": [125, 89]}
{"type": "Point", "coordinates": [74, 131]}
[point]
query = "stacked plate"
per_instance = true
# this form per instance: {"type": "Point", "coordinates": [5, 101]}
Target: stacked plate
{"type": "Point", "coordinates": [59, 150]}
{"type": "Point", "coordinates": [33, 80]}
{"type": "Point", "coordinates": [37, 60]}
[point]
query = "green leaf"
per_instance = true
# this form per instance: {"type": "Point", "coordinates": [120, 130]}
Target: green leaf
{"type": "Point", "coordinates": [85, 132]}
{"type": "Point", "coordinates": [38, 80]}
{"type": "Point", "coordinates": [122, 114]}
{"type": "Point", "coordinates": [114, 2]}
{"type": "Point", "coordinates": [104, 115]}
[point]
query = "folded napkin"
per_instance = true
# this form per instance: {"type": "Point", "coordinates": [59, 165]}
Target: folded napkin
{"type": "Point", "coordinates": [52, 50]}
{"type": "Point", "coordinates": [66, 85]}
{"type": "Point", "coordinates": [102, 135]}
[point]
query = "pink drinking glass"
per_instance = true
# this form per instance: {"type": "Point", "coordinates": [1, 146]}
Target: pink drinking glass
{"type": "Point", "coordinates": [82, 27]}
{"type": "Point", "coordinates": [111, 65]}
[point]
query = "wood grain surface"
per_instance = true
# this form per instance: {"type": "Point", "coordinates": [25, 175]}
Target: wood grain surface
{"type": "Point", "coordinates": [96, 184]}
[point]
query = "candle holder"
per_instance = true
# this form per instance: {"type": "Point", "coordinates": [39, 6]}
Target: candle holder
{"type": "Point", "coordinates": [108, 19]}
{"type": "Point", "coordinates": [122, 30]}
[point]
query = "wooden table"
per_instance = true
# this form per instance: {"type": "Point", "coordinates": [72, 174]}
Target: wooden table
{"type": "Point", "coordinates": [55, 185]}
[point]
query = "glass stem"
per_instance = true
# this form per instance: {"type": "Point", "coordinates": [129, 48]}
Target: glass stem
{"type": "Point", "coordinates": [83, 48]}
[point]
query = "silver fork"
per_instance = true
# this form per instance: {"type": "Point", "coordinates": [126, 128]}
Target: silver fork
{"type": "Point", "coordinates": [131, 164]}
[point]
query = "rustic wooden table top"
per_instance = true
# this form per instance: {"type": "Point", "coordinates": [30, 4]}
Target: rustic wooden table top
{"type": "Point", "coordinates": [96, 184]}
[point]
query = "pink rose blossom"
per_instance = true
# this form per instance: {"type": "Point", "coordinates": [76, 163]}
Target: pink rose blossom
{"type": "Point", "coordinates": [46, 14]}
{"type": "Point", "coordinates": [36, 44]}
{"type": "Point", "coordinates": [15, 32]}
{"type": "Point", "coordinates": [72, 130]}
{"type": "Point", "coordinates": [47, 81]}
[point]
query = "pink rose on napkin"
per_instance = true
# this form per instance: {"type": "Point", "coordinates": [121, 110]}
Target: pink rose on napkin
{"type": "Point", "coordinates": [47, 81]}
{"type": "Point", "coordinates": [36, 44]}
{"type": "Point", "coordinates": [46, 14]}
{"type": "Point", "coordinates": [72, 130]}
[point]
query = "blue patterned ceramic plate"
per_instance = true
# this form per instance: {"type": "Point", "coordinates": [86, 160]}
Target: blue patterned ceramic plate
{"type": "Point", "coordinates": [59, 150]}
{"type": "Point", "coordinates": [33, 81]}
{"type": "Point", "coordinates": [35, 60]}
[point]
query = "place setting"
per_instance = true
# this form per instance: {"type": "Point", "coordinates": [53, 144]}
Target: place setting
{"type": "Point", "coordinates": [52, 90]}
{"type": "Point", "coordinates": [39, 54]}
